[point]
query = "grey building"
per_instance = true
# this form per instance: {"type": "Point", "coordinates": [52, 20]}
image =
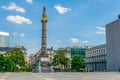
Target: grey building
{"type": "Point", "coordinates": [4, 39]}
{"type": "Point", "coordinates": [95, 58]}
{"type": "Point", "coordinates": [113, 45]}
{"type": "Point", "coordinates": [22, 48]}
{"type": "Point", "coordinates": [5, 49]}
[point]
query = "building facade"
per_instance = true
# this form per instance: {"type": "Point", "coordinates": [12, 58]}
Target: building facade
{"type": "Point", "coordinates": [32, 60]}
{"type": "Point", "coordinates": [76, 50]}
{"type": "Point", "coordinates": [22, 48]}
{"type": "Point", "coordinates": [68, 55]}
{"type": "Point", "coordinates": [5, 49]}
{"type": "Point", "coordinates": [50, 53]}
{"type": "Point", "coordinates": [95, 58]}
{"type": "Point", "coordinates": [113, 45]}
{"type": "Point", "coordinates": [4, 39]}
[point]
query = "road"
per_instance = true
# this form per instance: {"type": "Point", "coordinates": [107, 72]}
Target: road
{"type": "Point", "coordinates": [61, 76]}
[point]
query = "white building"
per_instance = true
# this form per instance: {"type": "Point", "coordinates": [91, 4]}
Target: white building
{"type": "Point", "coordinates": [4, 39]}
{"type": "Point", "coordinates": [96, 58]}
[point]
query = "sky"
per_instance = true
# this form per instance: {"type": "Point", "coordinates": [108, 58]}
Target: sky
{"type": "Point", "coordinates": [70, 22]}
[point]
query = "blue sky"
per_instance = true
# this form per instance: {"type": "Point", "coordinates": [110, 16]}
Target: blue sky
{"type": "Point", "coordinates": [70, 22]}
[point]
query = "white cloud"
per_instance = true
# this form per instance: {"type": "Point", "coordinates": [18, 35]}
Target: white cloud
{"type": "Point", "coordinates": [29, 1]}
{"type": "Point", "coordinates": [22, 34]}
{"type": "Point", "coordinates": [19, 34]}
{"type": "Point", "coordinates": [13, 6]}
{"type": "Point", "coordinates": [15, 33]}
{"type": "Point", "coordinates": [101, 30]}
{"type": "Point", "coordinates": [61, 9]}
{"type": "Point", "coordinates": [18, 19]}
{"type": "Point", "coordinates": [74, 40]}
{"type": "Point", "coordinates": [84, 41]}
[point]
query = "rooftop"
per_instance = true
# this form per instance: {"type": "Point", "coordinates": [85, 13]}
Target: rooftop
{"type": "Point", "coordinates": [4, 33]}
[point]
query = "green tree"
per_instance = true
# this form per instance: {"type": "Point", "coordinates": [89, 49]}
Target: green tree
{"type": "Point", "coordinates": [9, 64]}
{"type": "Point", "coordinates": [77, 63]}
{"type": "Point", "coordinates": [17, 56]}
{"type": "Point", "coordinates": [2, 61]}
{"type": "Point", "coordinates": [6, 64]}
{"type": "Point", "coordinates": [60, 60]}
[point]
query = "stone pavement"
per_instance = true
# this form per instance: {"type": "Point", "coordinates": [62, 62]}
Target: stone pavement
{"type": "Point", "coordinates": [61, 76]}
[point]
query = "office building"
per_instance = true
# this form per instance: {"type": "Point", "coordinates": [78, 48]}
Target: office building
{"type": "Point", "coordinates": [4, 39]}
{"type": "Point", "coordinates": [77, 50]}
{"type": "Point", "coordinates": [113, 45]}
{"type": "Point", "coordinates": [96, 58]}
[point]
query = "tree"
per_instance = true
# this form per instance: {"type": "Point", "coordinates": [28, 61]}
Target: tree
{"type": "Point", "coordinates": [9, 64]}
{"type": "Point", "coordinates": [17, 56]}
{"type": "Point", "coordinates": [2, 60]}
{"type": "Point", "coordinates": [60, 60]}
{"type": "Point", "coordinates": [6, 64]}
{"type": "Point", "coordinates": [77, 62]}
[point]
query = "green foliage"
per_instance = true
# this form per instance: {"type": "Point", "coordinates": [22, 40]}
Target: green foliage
{"type": "Point", "coordinates": [17, 56]}
{"type": "Point", "coordinates": [14, 61]}
{"type": "Point", "coordinates": [6, 64]}
{"type": "Point", "coordinates": [83, 70]}
{"type": "Point", "coordinates": [67, 70]}
{"type": "Point", "coordinates": [60, 60]}
{"type": "Point", "coordinates": [57, 69]}
{"type": "Point", "coordinates": [17, 60]}
{"type": "Point", "coordinates": [29, 69]}
{"type": "Point", "coordinates": [77, 63]}
{"type": "Point", "coordinates": [2, 60]}
{"type": "Point", "coordinates": [9, 64]}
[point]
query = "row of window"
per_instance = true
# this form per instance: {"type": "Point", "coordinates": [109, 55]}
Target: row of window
{"type": "Point", "coordinates": [77, 51]}
{"type": "Point", "coordinates": [96, 52]}
{"type": "Point", "coordinates": [96, 58]}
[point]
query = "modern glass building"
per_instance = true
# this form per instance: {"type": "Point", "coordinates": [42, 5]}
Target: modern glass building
{"type": "Point", "coordinates": [77, 51]}
{"type": "Point", "coordinates": [4, 39]}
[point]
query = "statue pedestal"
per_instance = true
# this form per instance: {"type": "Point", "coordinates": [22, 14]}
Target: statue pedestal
{"type": "Point", "coordinates": [45, 64]}
{"type": "Point", "coordinates": [45, 69]}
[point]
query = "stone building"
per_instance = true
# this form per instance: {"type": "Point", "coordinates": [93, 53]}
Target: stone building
{"type": "Point", "coordinates": [22, 48]}
{"type": "Point", "coordinates": [96, 58]}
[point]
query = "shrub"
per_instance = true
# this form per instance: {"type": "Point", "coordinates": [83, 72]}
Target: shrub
{"type": "Point", "coordinates": [57, 69]}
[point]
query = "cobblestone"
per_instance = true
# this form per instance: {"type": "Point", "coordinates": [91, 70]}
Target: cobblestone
{"type": "Point", "coordinates": [61, 76]}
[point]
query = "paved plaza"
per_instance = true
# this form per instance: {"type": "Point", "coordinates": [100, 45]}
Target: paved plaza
{"type": "Point", "coordinates": [61, 76]}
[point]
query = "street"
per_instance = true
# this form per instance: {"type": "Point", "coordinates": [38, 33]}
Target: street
{"type": "Point", "coordinates": [61, 76]}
